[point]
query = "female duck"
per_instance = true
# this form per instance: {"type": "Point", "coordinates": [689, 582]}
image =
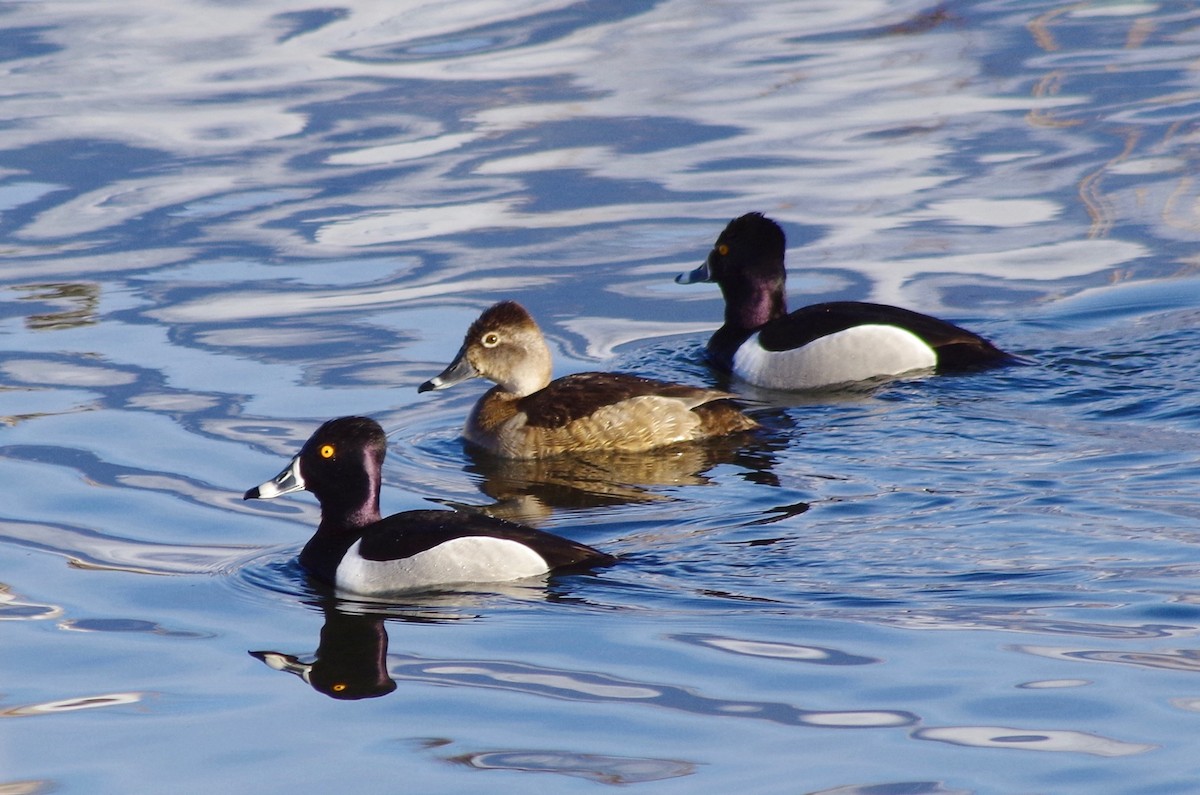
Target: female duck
{"type": "Point", "coordinates": [823, 344]}
{"type": "Point", "coordinates": [526, 415]}
{"type": "Point", "coordinates": [357, 550]}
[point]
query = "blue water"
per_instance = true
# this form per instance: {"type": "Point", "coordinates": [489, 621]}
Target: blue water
{"type": "Point", "coordinates": [222, 224]}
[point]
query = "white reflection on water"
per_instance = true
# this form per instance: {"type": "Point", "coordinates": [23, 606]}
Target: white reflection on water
{"type": "Point", "coordinates": [87, 549]}
{"type": "Point", "coordinates": [220, 227]}
{"type": "Point", "coordinates": [897, 788]}
{"type": "Point", "coordinates": [63, 374]}
{"type": "Point", "coordinates": [604, 335]}
{"type": "Point", "coordinates": [1032, 740]}
{"type": "Point", "coordinates": [779, 651]}
{"type": "Point", "coordinates": [868, 143]}
{"type": "Point", "coordinates": [1169, 660]}
{"type": "Point", "coordinates": [247, 305]}
{"type": "Point", "coordinates": [17, 608]}
{"type": "Point", "coordinates": [550, 681]}
{"type": "Point", "coordinates": [590, 686]}
{"type": "Point", "coordinates": [595, 767]}
{"type": "Point", "coordinates": [72, 705]}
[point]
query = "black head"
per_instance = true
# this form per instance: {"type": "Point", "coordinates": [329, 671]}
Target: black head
{"type": "Point", "coordinates": [747, 263]}
{"type": "Point", "coordinates": [342, 451]}
{"type": "Point", "coordinates": [750, 245]}
{"type": "Point", "coordinates": [340, 464]}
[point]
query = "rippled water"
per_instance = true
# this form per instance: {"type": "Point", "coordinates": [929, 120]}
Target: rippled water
{"type": "Point", "coordinates": [225, 223]}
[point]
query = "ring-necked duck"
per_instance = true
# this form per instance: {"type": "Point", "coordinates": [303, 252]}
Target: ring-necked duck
{"type": "Point", "coordinates": [358, 550]}
{"type": "Point", "coordinates": [526, 415]}
{"type": "Point", "coordinates": [820, 345]}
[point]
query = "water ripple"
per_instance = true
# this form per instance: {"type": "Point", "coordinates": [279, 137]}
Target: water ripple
{"type": "Point", "coordinates": [602, 769]}
{"type": "Point", "coordinates": [221, 229]}
{"type": "Point", "coordinates": [1032, 740]}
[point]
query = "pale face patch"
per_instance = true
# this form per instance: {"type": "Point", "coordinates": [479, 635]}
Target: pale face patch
{"type": "Point", "coordinates": [856, 354]}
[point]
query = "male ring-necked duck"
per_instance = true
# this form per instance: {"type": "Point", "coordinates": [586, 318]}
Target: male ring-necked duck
{"type": "Point", "coordinates": [358, 550]}
{"type": "Point", "coordinates": [526, 415]}
{"type": "Point", "coordinates": [820, 345]}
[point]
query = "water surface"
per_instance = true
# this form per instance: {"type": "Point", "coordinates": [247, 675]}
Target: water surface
{"type": "Point", "coordinates": [223, 224]}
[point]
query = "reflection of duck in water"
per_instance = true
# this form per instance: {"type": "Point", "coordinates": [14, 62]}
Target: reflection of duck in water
{"type": "Point", "coordinates": [351, 660]}
{"type": "Point", "coordinates": [352, 663]}
{"type": "Point", "coordinates": [529, 490]}
{"type": "Point", "coordinates": [526, 415]}
{"type": "Point", "coordinates": [358, 550]}
{"type": "Point", "coordinates": [820, 345]}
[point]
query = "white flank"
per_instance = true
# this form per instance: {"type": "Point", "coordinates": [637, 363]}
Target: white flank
{"type": "Point", "coordinates": [856, 354]}
{"type": "Point", "coordinates": [461, 560]}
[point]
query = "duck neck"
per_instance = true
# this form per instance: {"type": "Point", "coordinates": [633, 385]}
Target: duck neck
{"type": "Point", "coordinates": [753, 303]}
{"type": "Point", "coordinates": [533, 374]}
{"type": "Point", "coordinates": [341, 525]}
{"type": "Point", "coordinates": [350, 514]}
{"type": "Point", "coordinates": [354, 503]}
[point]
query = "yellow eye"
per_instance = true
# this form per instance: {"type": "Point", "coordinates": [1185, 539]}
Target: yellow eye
{"type": "Point", "coordinates": [327, 451]}
{"type": "Point", "coordinates": [490, 340]}
{"type": "Point", "coordinates": [339, 687]}
{"type": "Point", "coordinates": [722, 249]}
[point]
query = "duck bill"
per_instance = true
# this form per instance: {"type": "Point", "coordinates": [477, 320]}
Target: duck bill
{"type": "Point", "coordinates": [284, 662]}
{"type": "Point", "coordinates": [701, 274]}
{"type": "Point", "coordinates": [285, 482]}
{"type": "Point", "coordinates": [459, 370]}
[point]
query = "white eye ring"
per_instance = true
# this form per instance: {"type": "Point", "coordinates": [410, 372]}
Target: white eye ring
{"type": "Point", "coordinates": [490, 340]}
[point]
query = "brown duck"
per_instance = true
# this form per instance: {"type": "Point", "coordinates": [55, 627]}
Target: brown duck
{"type": "Point", "coordinates": [526, 415]}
